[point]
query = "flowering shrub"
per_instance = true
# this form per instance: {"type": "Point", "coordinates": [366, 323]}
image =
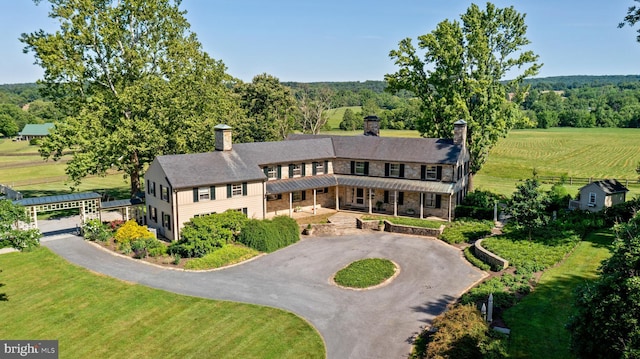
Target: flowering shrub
{"type": "Point", "coordinates": [130, 231]}
{"type": "Point", "coordinates": [94, 230]}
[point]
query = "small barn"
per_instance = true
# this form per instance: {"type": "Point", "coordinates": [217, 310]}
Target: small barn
{"type": "Point", "coordinates": [600, 194]}
{"type": "Point", "coordinates": [35, 130]}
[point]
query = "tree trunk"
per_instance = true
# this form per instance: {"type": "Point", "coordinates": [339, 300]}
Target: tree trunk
{"type": "Point", "coordinates": [470, 182]}
{"type": "Point", "coordinates": [134, 174]}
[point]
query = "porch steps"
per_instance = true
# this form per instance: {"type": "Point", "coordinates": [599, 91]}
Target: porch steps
{"type": "Point", "coordinates": [344, 221]}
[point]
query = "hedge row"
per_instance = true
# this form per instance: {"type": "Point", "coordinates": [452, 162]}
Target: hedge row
{"type": "Point", "coordinates": [270, 235]}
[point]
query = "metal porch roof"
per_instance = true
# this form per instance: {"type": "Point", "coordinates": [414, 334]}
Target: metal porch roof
{"type": "Point", "coordinates": [300, 184]}
{"type": "Point", "coordinates": [404, 185]}
{"type": "Point", "coordinates": [36, 201]}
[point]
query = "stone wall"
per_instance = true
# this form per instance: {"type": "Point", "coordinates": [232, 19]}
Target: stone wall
{"type": "Point", "coordinates": [372, 224]}
{"type": "Point", "coordinates": [493, 260]}
{"type": "Point", "coordinates": [418, 231]}
{"type": "Point", "coordinates": [320, 229]}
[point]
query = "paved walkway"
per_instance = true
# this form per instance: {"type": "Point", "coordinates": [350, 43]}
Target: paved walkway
{"type": "Point", "coordinates": [378, 323]}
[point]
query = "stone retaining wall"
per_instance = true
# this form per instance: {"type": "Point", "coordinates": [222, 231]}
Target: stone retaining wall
{"type": "Point", "coordinates": [372, 224]}
{"type": "Point", "coordinates": [493, 260]}
{"type": "Point", "coordinates": [320, 229]}
{"type": "Point", "coordinates": [418, 231]}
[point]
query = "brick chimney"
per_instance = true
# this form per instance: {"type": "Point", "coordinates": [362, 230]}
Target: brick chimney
{"type": "Point", "coordinates": [371, 126]}
{"type": "Point", "coordinates": [460, 133]}
{"type": "Point", "coordinates": [223, 137]}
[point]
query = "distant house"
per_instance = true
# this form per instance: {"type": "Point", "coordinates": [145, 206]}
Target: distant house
{"type": "Point", "coordinates": [421, 177]}
{"type": "Point", "coordinates": [600, 194]}
{"type": "Point", "coordinates": [35, 130]}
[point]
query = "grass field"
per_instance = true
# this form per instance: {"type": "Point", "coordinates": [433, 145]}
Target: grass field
{"type": "Point", "coordinates": [574, 152]}
{"type": "Point", "coordinates": [98, 317]}
{"type": "Point", "coordinates": [336, 114]}
{"type": "Point", "coordinates": [538, 322]}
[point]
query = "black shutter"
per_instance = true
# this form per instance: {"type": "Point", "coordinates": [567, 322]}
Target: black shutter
{"type": "Point", "coordinates": [168, 222]}
{"type": "Point", "coordinates": [195, 195]}
{"type": "Point", "coordinates": [423, 172]}
{"type": "Point", "coordinates": [161, 191]}
{"type": "Point", "coordinates": [279, 171]}
{"type": "Point", "coordinates": [400, 198]}
{"type": "Point", "coordinates": [244, 188]}
{"type": "Point", "coordinates": [290, 170]}
{"type": "Point", "coordinates": [314, 168]}
{"type": "Point", "coordinates": [303, 196]}
{"type": "Point", "coordinates": [353, 167]}
{"type": "Point", "coordinates": [326, 167]}
{"type": "Point", "coordinates": [366, 168]}
{"type": "Point", "coordinates": [162, 218]}
{"type": "Point", "coordinates": [438, 201]}
{"type": "Point", "coordinates": [280, 196]}
{"type": "Point", "coordinates": [148, 187]}
{"type": "Point", "coordinates": [154, 189]}
{"type": "Point", "coordinates": [304, 169]}
{"type": "Point", "coordinates": [402, 170]}
{"type": "Point", "coordinates": [386, 196]}
{"type": "Point", "coordinates": [439, 173]}
{"type": "Point", "coordinates": [229, 193]}
{"type": "Point", "coordinates": [266, 171]}
{"type": "Point", "coordinates": [386, 170]}
{"type": "Point", "coordinates": [245, 211]}
{"type": "Point", "coordinates": [212, 192]}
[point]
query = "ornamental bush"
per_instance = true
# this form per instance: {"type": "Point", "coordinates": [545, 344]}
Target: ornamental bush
{"type": "Point", "coordinates": [270, 235]}
{"type": "Point", "coordinates": [151, 247]}
{"type": "Point", "coordinates": [94, 230]}
{"type": "Point", "coordinates": [466, 231]}
{"type": "Point", "coordinates": [132, 230]}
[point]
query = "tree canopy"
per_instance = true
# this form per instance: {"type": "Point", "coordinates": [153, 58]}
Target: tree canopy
{"type": "Point", "coordinates": [606, 321]}
{"type": "Point", "coordinates": [132, 82]}
{"type": "Point", "coordinates": [633, 16]}
{"type": "Point", "coordinates": [461, 72]}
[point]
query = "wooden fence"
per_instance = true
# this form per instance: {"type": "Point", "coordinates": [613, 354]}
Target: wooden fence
{"type": "Point", "coordinates": [581, 181]}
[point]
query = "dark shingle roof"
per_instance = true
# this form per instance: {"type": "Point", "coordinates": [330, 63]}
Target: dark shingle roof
{"type": "Point", "coordinates": [421, 150]}
{"type": "Point", "coordinates": [611, 186]}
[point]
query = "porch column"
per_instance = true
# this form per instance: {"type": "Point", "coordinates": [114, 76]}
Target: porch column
{"type": "Point", "coordinates": [395, 203]}
{"type": "Point", "coordinates": [314, 201]}
{"type": "Point", "coordinates": [421, 205]}
{"type": "Point", "coordinates": [337, 200]}
{"type": "Point", "coordinates": [291, 204]}
{"type": "Point", "coordinates": [449, 208]}
{"type": "Point", "coordinates": [34, 217]}
{"type": "Point", "coordinates": [370, 209]}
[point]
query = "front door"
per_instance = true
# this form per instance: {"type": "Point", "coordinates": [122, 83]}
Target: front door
{"type": "Point", "coordinates": [358, 198]}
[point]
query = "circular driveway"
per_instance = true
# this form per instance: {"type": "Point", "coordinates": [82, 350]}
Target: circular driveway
{"type": "Point", "coordinates": [377, 323]}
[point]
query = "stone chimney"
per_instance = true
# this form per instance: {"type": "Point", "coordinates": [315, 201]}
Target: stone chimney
{"type": "Point", "coordinates": [460, 133]}
{"type": "Point", "coordinates": [223, 137]}
{"type": "Point", "coordinates": [371, 126]}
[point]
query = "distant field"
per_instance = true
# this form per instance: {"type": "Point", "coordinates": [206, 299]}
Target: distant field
{"type": "Point", "coordinates": [574, 152]}
{"type": "Point", "coordinates": [336, 114]}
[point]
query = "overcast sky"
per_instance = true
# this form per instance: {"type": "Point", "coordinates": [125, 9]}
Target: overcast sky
{"type": "Point", "coordinates": [350, 40]}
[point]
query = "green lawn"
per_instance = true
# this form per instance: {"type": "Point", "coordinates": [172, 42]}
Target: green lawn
{"type": "Point", "coordinates": [538, 322]}
{"type": "Point", "coordinates": [336, 114]}
{"type": "Point", "coordinates": [93, 316]}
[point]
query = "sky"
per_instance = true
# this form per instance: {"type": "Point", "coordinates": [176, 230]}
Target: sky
{"type": "Point", "coordinates": [350, 40]}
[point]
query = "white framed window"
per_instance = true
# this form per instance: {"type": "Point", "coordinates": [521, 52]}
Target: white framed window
{"type": "Point", "coordinates": [429, 200]}
{"type": "Point", "coordinates": [322, 190]}
{"type": "Point", "coordinates": [166, 220]}
{"type": "Point", "coordinates": [164, 193]}
{"type": "Point", "coordinates": [153, 214]}
{"type": "Point", "coordinates": [272, 173]}
{"type": "Point", "coordinates": [394, 170]}
{"type": "Point", "coordinates": [592, 199]}
{"type": "Point", "coordinates": [273, 197]}
{"type": "Point", "coordinates": [320, 168]}
{"type": "Point", "coordinates": [296, 170]}
{"type": "Point", "coordinates": [431, 173]}
{"type": "Point", "coordinates": [359, 168]}
{"type": "Point", "coordinates": [296, 196]}
{"type": "Point", "coordinates": [236, 190]}
{"type": "Point", "coordinates": [204, 193]}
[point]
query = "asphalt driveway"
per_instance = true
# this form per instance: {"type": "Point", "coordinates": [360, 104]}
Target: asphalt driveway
{"type": "Point", "coordinates": [377, 323]}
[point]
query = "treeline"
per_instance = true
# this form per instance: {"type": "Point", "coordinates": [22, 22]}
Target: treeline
{"type": "Point", "coordinates": [21, 104]}
{"type": "Point", "coordinates": [562, 101]}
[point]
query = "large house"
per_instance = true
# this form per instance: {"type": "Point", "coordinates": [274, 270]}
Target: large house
{"type": "Point", "coordinates": [420, 177]}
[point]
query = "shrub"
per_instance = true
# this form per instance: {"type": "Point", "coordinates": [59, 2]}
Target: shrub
{"type": "Point", "coordinates": [365, 273]}
{"type": "Point", "coordinates": [467, 230]}
{"type": "Point", "coordinates": [478, 205]}
{"type": "Point", "coordinates": [461, 332]}
{"type": "Point", "coordinates": [94, 230]}
{"type": "Point", "coordinates": [203, 235]}
{"type": "Point", "coordinates": [130, 231]}
{"type": "Point", "coordinates": [270, 235]}
{"type": "Point", "coordinates": [143, 247]}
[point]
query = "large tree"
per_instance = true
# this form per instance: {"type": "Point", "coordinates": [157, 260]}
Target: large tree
{"type": "Point", "coordinates": [313, 104]}
{"type": "Point", "coordinates": [271, 109]}
{"type": "Point", "coordinates": [133, 83]}
{"type": "Point", "coordinates": [633, 16]}
{"type": "Point", "coordinates": [462, 75]}
{"type": "Point", "coordinates": [608, 310]}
